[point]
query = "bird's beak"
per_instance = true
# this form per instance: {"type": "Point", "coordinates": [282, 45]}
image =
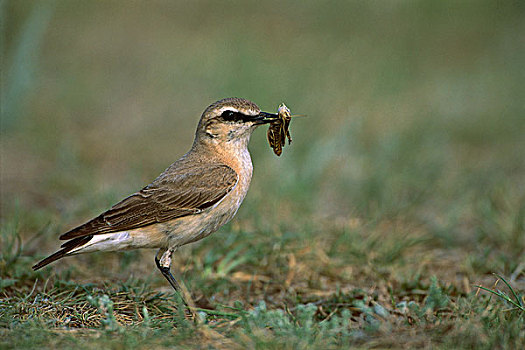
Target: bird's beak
{"type": "Point", "coordinates": [264, 118]}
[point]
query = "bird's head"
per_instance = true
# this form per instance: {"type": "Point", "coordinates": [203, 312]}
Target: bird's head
{"type": "Point", "coordinates": [230, 122]}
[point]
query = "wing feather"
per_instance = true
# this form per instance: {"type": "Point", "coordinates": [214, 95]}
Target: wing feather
{"type": "Point", "coordinates": [176, 193]}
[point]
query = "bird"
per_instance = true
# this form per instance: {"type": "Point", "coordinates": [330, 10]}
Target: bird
{"type": "Point", "coordinates": [190, 200]}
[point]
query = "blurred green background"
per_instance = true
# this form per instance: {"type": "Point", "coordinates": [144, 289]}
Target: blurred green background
{"type": "Point", "coordinates": [416, 113]}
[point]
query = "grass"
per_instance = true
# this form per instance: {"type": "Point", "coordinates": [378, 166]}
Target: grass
{"type": "Point", "coordinates": [395, 219]}
{"type": "Point", "coordinates": [516, 300]}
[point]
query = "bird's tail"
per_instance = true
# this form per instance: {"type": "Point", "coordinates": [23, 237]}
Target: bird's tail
{"type": "Point", "coordinates": [66, 248]}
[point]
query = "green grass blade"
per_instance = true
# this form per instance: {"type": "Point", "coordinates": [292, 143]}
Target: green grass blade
{"type": "Point", "coordinates": [518, 299]}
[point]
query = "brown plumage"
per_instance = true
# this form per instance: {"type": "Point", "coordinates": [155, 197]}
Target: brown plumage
{"type": "Point", "coordinates": [66, 248]}
{"type": "Point", "coordinates": [178, 192]}
{"type": "Point", "coordinates": [190, 200]}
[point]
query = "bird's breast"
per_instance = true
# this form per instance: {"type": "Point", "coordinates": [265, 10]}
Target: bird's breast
{"type": "Point", "coordinates": [195, 227]}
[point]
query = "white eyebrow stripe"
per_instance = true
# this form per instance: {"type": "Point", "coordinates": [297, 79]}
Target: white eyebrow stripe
{"type": "Point", "coordinates": [233, 109]}
{"type": "Point", "coordinates": [228, 108]}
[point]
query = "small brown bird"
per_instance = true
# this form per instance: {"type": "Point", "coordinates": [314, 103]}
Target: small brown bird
{"type": "Point", "coordinates": [191, 199]}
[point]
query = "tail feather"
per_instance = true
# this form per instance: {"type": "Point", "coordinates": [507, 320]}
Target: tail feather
{"type": "Point", "coordinates": [66, 248]}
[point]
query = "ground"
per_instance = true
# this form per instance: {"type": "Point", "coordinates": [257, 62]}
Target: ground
{"type": "Point", "coordinates": [397, 209]}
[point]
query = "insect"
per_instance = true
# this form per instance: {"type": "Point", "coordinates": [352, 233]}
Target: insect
{"type": "Point", "coordinates": [278, 130]}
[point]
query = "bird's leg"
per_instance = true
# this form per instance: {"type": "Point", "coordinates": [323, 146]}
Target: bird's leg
{"type": "Point", "coordinates": [163, 261]}
{"type": "Point", "coordinates": [164, 264]}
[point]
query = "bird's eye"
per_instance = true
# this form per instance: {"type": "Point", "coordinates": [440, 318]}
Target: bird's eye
{"type": "Point", "coordinates": [231, 116]}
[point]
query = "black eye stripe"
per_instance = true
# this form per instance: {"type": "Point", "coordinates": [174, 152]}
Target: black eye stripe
{"type": "Point", "coordinates": [232, 116]}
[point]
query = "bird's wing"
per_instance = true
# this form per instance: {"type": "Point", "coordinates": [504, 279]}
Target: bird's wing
{"type": "Point", "coordinates": [174, 194]}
